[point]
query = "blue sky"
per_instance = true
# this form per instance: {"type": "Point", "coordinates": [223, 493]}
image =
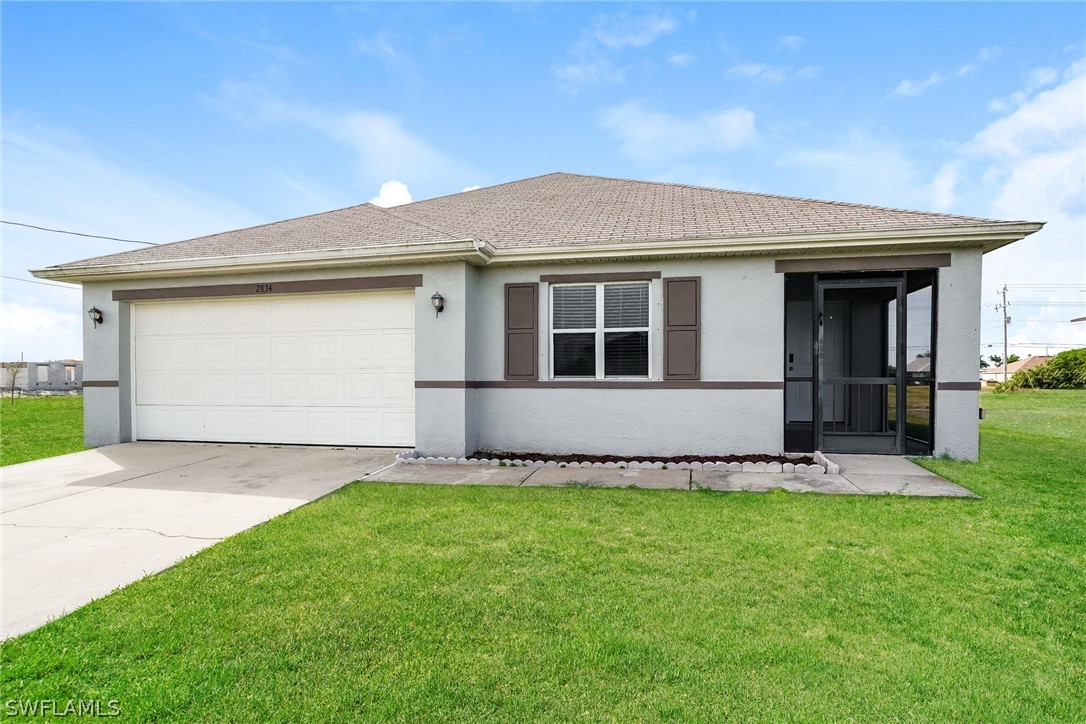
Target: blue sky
{"type": "Point", "coordinates": [166, 121]}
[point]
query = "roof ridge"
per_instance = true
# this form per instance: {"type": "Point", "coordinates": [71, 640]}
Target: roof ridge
{"type": "Point", "coordinates": [852, 204]}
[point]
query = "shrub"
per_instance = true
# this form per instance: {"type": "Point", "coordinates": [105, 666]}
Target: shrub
{"type": "Point", "coordinates": [1067, 370]}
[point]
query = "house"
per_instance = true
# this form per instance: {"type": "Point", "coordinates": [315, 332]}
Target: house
{"type": "Point", "coordinates": [562, 313]}
{"type": "Point", "coordinates": [56, 376]}
{"type": "Point", "coordinates": [995, 375]}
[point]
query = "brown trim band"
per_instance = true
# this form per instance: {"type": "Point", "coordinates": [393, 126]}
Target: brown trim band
{"type": "Point", "coordinates": [962, 386]}
{"type": "Point", "coordinates": [863, 263]}
{"type": "Point", "coordinates": [352, 284]}
{"type": "Point", "coordinates": [595, 385]}
{"type": "Point", "coordinates": [101, 383]}
{"type": "Point", "coordinates": [599, 277]}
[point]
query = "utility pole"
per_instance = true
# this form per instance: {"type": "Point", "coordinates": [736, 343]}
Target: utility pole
{"type": "Point", "coordinates": [1006, 322]}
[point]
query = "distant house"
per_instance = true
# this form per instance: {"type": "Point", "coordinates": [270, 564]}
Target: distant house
{"type": "Point", "coordinates": [55, 376]}
{"type": "Point", "coordinates": [558, 314]}
{"type": "Point", "coordinates": [993, 375]}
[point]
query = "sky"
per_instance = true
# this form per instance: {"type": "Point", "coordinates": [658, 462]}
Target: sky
{"type": "Point", "coordinates": [161, 121]}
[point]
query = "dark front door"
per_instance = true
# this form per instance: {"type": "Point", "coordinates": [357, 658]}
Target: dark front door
{"type": "Point", "coordinates": [860, 365]}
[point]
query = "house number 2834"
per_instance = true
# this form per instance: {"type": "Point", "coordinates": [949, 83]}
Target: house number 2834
{"type": "Point", "coordinates": [263, 288]}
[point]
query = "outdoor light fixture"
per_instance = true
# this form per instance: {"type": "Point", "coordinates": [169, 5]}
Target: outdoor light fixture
{"type": "Point", "coordinates": [96, 316]}
{"type": "Point", "coordinates": [439, 303]}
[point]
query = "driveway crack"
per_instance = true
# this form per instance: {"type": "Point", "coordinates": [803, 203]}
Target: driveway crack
{"type": "Point", "coordinates": [105, 527]}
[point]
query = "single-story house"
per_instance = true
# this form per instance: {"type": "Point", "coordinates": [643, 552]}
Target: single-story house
{"type": "Point", "coordinates": [562, 314]}
{"type": "Point", "coordinates": [994, 375]}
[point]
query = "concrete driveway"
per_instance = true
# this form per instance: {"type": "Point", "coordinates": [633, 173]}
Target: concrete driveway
{"type": "Point", "coordinates": [75, 527]}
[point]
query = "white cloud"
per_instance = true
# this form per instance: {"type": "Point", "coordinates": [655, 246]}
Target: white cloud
{"type": "Point", "coordinates": [52, 178]}
{"type": "Point", "coordinates": [590, 61]}
{"type": "Point", "coordinates": [41, 332]}
{"type": "Point", "coordinates": [771, 74]}
{"type": "Point", "coordinates": [943, 197]}
{"type": "Point", "coordinates": [632, 31]}
{"type": "Point", "coordinates": [1030, 164]}
{"type": "Point", "coordinates": [859, 167]}
{"type": "Point", "coordinates": [912, 88]}
{"type": "Point", "coordinates": [651, 136]}
{"type": "Point", "coordinates": [758, 72]}
{"type": "Point", "coordinates": [681, 60]}
{"type": "Point", "coordinates": [470, 188]}
{"type": "Point", "coordinates": [908, 88]}
{"type": "Point", "coordinates": [392, 193]}
{"type": "Point", "coordinates": [791, 43]}
{"type": "Point", "coordinates": [1038, 78]}
{"type": "Point", "coordinates": [583, 73]}
{"type": "Point", "coordinates": [383, 147]}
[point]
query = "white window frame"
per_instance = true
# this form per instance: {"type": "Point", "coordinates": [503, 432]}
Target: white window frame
{"type": "Point", "coordinates": [599, 330]}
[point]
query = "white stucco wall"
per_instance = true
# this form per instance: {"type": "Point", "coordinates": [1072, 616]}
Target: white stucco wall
{"type": "Point", "coordinates": [957, 346]}
{"type": "Point", "coordinates": [742, 305]}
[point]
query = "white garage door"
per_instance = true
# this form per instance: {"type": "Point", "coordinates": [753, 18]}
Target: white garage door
{"type": "Point", "coordinates": [323, 369]}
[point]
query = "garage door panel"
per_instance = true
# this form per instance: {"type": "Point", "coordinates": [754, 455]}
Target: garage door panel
{"type": "Point", "coordinates": [288, 424]}
{"type": "Point", "coordinates": [325, 426]}
{"type": "Point", "coordinates": [253, 351]}
{"type": "Point", "coordinates": [333, 369]}
{"type": "Point", "coordinates": [153, 389]}
{"type": "Point", "coordinates": [220, 352]}
{"type": "Point", "coordinates": [398, 388]}
{"type": "Point", "coordinates": [182, 351]}
{"type": "Point", "coordinates": [361, 349]}
{"type": "Point", "coordinates": [220, 318]}
{"type": "Point", "coordinates": [397, 313]}
{"type": "Point", "coordinates": [221, 424]}
{"type": "Point", "coordinates": [324, 350]}
{"type": "Point", "coordinates": [287, 351]}
{"type": "Point", "coordinates": [253, 389]}
{"type": "Point", "coordinates": [186, 388]}
{"type": "Point", "coordinates": [220, 389]}
{"type": "Point", "coordinates": [399, 428]}
{"type": "Point", "coordinates": [398, 348]}
{"type": "Point", "coordinates": [324, 389]}
{"type": "Point", "coordinates": [286, 388]}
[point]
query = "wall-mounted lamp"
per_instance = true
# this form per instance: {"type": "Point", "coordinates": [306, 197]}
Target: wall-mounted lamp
{"type": "Point", "coordinates": [96, 316]}
{"type": "Point", "coordinates": [439, 303]}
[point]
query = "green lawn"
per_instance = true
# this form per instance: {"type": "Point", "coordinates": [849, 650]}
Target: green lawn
{"type": "Point", "coordinates": [39, 427]}
{"type": "Point", "coordinates": [465, 603]}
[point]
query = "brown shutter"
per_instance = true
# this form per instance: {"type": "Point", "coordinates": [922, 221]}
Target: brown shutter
{"type": "Point", "coordinates": [521, 331]}
{"type": "Point", "coordinates": [682, 328]}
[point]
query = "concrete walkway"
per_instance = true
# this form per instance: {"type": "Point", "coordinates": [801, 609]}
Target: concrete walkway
{"type": "Point", "coordinates": [75, 527]}
{"type": "Point", "coordinates": [860, 475]}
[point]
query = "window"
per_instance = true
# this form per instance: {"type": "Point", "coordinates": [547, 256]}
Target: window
{"type": "Point", "coordinates": [600, 330]}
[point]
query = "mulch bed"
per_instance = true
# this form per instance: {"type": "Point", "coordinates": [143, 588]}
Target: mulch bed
{"type": "Point", "coordinates": [492, 454]}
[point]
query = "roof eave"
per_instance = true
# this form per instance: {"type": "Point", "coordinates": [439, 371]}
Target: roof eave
{"type": "Point", "coordinates": [471, 251]}
{"type": "Point", "coordinates": [986, 237]}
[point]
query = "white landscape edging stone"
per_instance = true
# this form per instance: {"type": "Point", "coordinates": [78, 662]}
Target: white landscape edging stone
{"type": "Point", "coordinates": [821, 465]}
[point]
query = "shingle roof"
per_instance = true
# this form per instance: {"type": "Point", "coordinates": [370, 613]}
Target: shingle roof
{"type": "Point", "coordinates": [557, 209]}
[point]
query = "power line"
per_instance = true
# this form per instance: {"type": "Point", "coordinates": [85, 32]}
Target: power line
{"type": "Point", "coordinates": [76, 233]}
{"type": "Point", "coordinates": [35, 281]}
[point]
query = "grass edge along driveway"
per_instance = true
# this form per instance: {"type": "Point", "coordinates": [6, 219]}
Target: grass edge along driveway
{"type": "Point", "coordinates": [386, 601]}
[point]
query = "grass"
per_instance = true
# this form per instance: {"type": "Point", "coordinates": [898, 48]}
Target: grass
{"type": "Point", "coordinates": [39, 427]}
{"type": "Point", "coordinates": [473, 603]}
